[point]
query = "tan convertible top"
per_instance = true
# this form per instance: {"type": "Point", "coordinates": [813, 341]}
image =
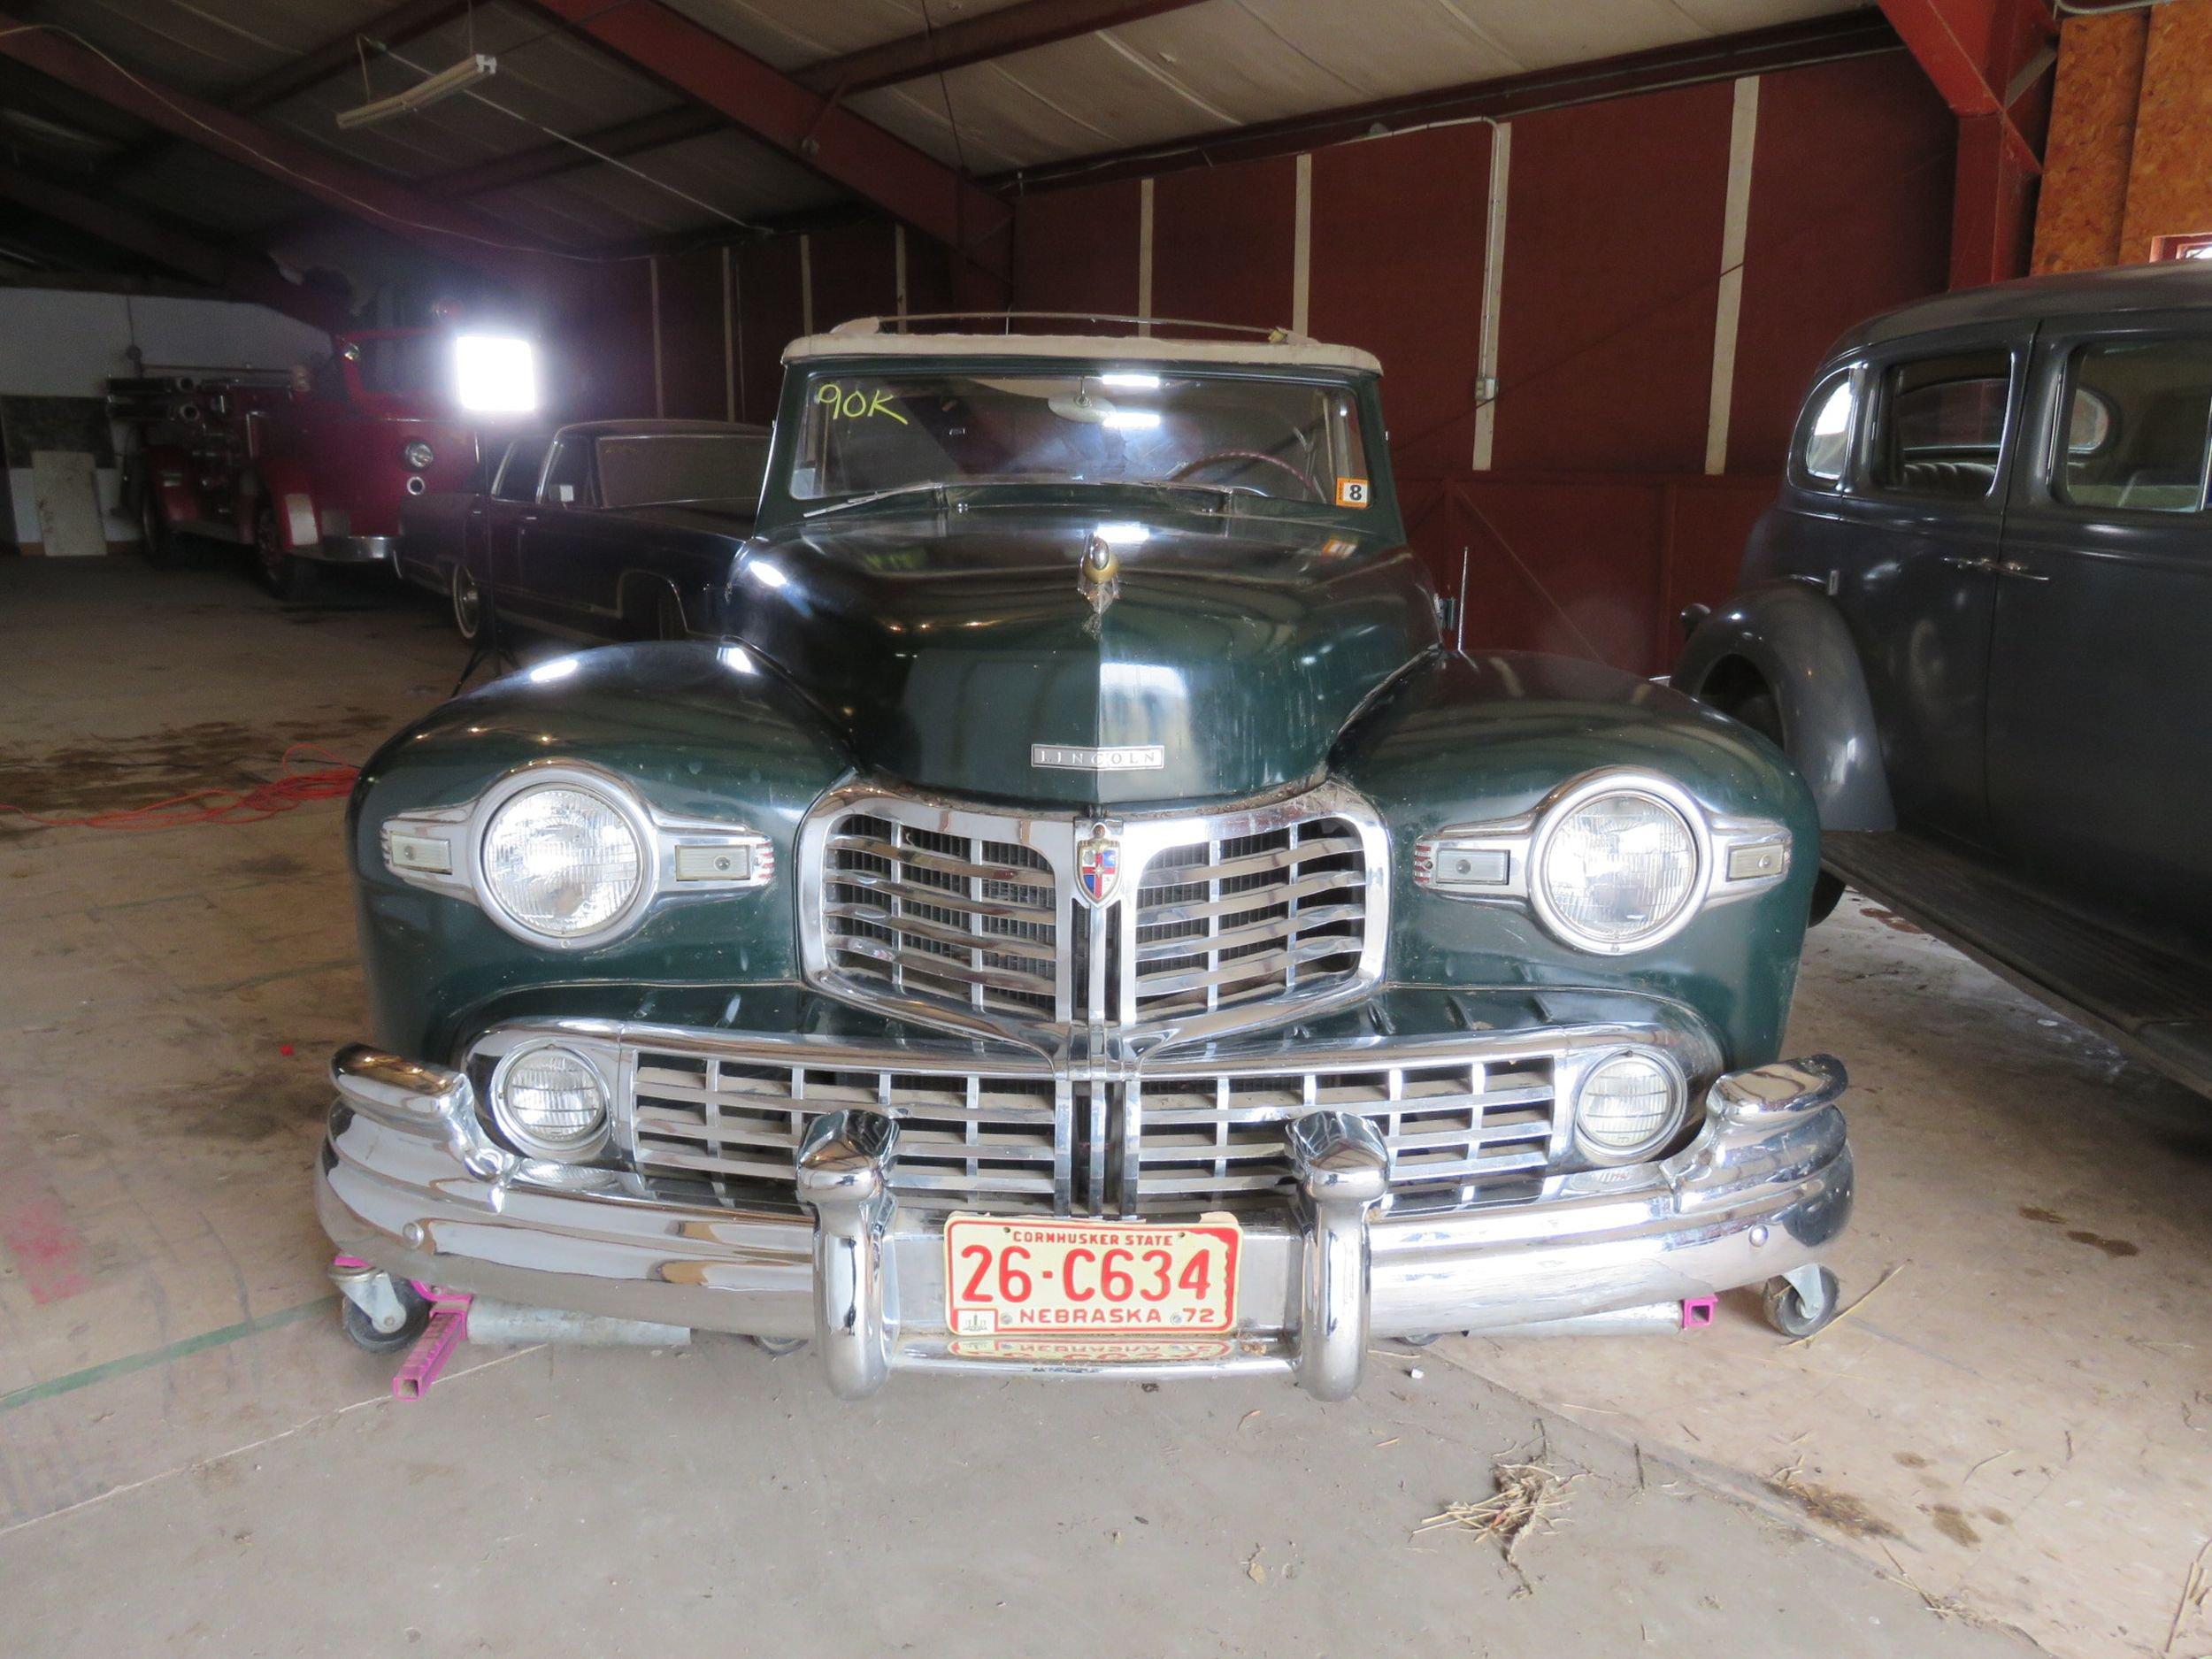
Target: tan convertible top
{"type": "Point", "coordinates": [900, 336]}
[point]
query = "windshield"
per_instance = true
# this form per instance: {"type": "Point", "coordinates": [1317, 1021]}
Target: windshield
{"type": "Point", "coordinates": [636, 471]}
{"type": "Point", "coordinates": [864, 432]}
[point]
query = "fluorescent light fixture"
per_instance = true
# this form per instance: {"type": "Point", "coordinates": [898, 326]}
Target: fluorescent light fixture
{"type": "Point", "coordinates": [422, 93]}
{"type": "Point", "coordinates": [1131, 382]}
{"type": "Point", "coordinates": [494, 376]}
{"type": "Point", "coordinates": [1133, 420]}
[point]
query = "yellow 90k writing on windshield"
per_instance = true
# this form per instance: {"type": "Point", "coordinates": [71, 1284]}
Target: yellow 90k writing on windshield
{"type": "Point", "coordinates": [855, 405]}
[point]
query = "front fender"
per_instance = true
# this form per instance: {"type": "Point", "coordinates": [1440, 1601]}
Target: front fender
{"type": "Point", "coordinates": [1481, 739]}
{"type": "Point", "coordinates": [1788, 634]}
{"type": "Point", "coordinates": [696, 731]}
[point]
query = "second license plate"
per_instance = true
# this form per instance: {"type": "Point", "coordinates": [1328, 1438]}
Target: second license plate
{"type": "Point", "coordinates": [1095, 1278]}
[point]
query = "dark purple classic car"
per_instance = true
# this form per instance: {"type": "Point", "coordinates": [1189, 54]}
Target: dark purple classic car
{"type": "Point", "coordinates": [606, 530]}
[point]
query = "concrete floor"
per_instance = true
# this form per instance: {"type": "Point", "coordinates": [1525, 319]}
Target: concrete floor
{"type": "Point", "coordinates": [2000, 1453]}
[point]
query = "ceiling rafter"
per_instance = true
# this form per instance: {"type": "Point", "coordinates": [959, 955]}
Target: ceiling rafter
{"type": "Point", "coordinates": [453, 233]}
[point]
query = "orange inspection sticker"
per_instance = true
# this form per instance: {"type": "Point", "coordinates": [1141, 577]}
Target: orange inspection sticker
{"type": "Point", "coordinates": [1351, 492]}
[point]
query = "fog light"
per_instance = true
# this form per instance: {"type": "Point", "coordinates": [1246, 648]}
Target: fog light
{"type": "Point", "coordinates": [1628, 1105]}
{"type": "Point", "coordinates": [551, 1101]}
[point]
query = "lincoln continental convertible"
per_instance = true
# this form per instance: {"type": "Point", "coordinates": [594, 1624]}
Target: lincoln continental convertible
{"type": "Point", "coordinates": [1080, 914]}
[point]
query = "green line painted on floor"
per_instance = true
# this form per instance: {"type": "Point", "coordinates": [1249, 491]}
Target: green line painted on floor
{"type": "Point", "coordinates": [162, 1355]}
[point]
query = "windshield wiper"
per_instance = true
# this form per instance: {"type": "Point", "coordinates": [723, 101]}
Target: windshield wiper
{"type": "Point", "coordinates": [879, 494]}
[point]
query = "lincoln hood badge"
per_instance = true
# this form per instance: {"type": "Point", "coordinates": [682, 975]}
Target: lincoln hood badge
{"type": "Point", "coordinates": [1099, 577]}
{"type": "Point", "coordinates": [1098, 865]}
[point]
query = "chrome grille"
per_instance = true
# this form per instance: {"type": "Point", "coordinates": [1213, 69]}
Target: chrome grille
{"type": "Point", "coordinates": [943, 916]}
{"type": "Point", "coordinates": [966, 1137]}
{"type": "Point", "coordinates": [1225, 922]}
{"type": "Point", "coordinates": [1221, 922]}
{"type": "Point", "coordinates": [1450, 1126]}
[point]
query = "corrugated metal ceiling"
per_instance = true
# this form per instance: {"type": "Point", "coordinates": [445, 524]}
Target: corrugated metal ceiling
{"type": "Point", "coordinates": [1204, 68]}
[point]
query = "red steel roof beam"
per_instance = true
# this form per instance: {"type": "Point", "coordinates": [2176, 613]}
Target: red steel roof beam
{"type": "Point", "coordinates": [937, 200]}
{"type": "Point", "coordinates": [452, 232]}
{"type": "Point", "coordinates": [243, 278]}
{"type": "Point", "coordinates": [1019, 28]}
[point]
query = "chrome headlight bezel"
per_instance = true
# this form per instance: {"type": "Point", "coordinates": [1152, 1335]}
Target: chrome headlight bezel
{"type": "Point", "coordinates": [579, 1151]}
{"type": "Point", "coordinates": [1663, 793]}
{"type": "Point", "coordinates": [509, 791]}
{"type": "Point", "coordinates": [1597, 1152]}
{"type": "Point", "coordinates": [441, 848]}
{"type": "Point", "coordinates": [1499, 862]}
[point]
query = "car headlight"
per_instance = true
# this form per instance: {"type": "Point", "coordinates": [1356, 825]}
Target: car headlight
{"type": "Point", "coordinates": [563, 862]}
{"type": "Point", "coordinates": [1629, 1105]}
{"type": "Point", "coordinates": [417, 454]}
{"type": "Point", "coordinates": [551, 1101]}
{"type": "Point", "coordinates": [1616, 871]}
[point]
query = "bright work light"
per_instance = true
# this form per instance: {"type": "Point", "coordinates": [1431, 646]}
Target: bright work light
{"type": "Point", "coordinates": [494, 375]}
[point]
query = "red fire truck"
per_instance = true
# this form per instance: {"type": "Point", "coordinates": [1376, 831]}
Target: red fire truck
{"type": "Point", "coordinates": [307, 469]}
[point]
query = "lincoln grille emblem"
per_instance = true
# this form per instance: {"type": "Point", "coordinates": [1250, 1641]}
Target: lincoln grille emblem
{"type": "Point", "coordinates": [1098, 865]}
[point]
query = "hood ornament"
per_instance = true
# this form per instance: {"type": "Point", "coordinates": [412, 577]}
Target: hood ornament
{"type": "Point", "coordinates": [1098, 579]}
{"type": "Point", "coordinates": [1098, 865]}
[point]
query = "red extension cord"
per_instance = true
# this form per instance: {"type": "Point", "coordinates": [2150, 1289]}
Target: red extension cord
{"type": "Point", "coordinates": [220, 806]}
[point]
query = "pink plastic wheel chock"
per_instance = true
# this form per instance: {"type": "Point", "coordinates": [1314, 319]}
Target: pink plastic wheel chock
{"type": "Point", "coordinates": [448, 1329]}
{"type": "Point", "coordinates": [1697, 1312]}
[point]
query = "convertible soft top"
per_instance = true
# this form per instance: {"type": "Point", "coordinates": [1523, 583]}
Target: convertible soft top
{"type": "Point", "coordinates": [898, 336]}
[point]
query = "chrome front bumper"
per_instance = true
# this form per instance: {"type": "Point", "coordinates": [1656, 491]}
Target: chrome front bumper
{"type": "Point", "coordinates": [409, 1182]}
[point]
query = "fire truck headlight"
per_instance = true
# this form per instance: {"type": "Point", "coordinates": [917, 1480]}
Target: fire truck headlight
{"type": "Point", "coordinates": [417, 454]}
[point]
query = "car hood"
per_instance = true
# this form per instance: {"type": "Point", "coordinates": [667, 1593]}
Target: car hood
{"type": "Point", "coordinates": [951, 647]}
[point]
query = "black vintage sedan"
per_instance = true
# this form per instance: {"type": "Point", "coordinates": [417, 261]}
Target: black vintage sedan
{"type": "Point", "coordinates": [1977, 620]}
{"type": "Point", "coordinates": [606, 530]}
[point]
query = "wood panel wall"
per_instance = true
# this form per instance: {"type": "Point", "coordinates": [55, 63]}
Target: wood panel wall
{"type": "Point", "coordinates": [2130, 154]}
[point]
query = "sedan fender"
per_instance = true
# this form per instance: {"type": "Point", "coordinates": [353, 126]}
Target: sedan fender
{"type": "Point", "coordinates": [1786, 638]}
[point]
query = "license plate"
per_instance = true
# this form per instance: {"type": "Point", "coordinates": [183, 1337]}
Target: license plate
{"type": "Point", "coordinates": [1090, 1277]}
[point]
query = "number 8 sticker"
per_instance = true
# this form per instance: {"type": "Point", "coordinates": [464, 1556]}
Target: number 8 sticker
{"type": "Point", "coordinates": [1351, 492]}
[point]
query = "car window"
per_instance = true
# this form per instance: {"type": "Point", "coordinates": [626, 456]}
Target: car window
{"type": "Point", "coordinates": [636, 469]}
{"type": "Point", "coordinates": [568, 481]}
{"type": "Point", "coordinates": [1826, 448]}
{"type": "Point", "coordinates": [1941, 425]}
{"type": "Point", "coordinates": [519, 479]}
{"type": "Point", "coordinates": [2137, 417]}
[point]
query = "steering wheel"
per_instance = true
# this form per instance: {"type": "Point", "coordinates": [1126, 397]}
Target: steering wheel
{"type": "Point", "coordinates": [1298, 472]}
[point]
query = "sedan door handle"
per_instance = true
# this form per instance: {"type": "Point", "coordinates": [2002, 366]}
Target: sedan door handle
{"type": "Point", "coordinates": [1960, 561]}
{"type": "Point", "coordinates": [2013, 568]}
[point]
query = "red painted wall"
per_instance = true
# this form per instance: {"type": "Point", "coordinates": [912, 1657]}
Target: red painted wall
{"type": "Point", "coordinates": [1076, 250]}
{"type": "Point", "coordinates": [1613, 239]}
{"type": "Point", "coordinates": [1221, 243]}
{"type": "Point", "coordinates": [1399, 226]}
{"type": "Point", "coordinates": [1850, 215]}
{"type": "Point", "coordinates": [692, 381]}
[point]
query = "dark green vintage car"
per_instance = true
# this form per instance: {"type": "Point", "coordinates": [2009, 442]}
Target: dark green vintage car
{"type": "Point", "coordinates": [1083, 916]}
